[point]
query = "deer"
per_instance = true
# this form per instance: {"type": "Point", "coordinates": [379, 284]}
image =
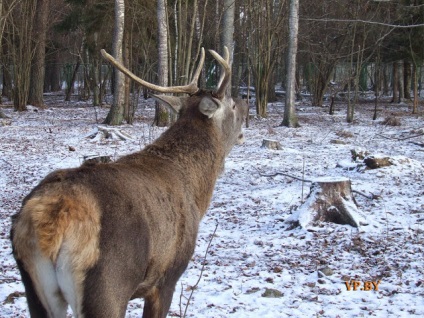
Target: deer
{"type": "Point", "coordinates": [94, 237]}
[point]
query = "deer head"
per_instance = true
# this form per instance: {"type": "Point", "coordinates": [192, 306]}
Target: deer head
{"type": "Point", "coordinates": [95, 236]}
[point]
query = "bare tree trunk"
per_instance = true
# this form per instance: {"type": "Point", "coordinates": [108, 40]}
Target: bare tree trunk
{"type": "Point", "coordinates": [290, 118]}
{"type": "Point", "coordinates": [227, 35]}
{"type": "Point", "coordinates": [72, 81]}
{"type": "Point", "coordinates": [37, 74]}
{"type": "Point", "coordinates": [386, 79]}
{"type": "Point", "coordinates": [416, 97]}
{"type": "Point", "coordinates": [377, 83]}
{"type": "Point", "coordinates": [95, 73]}
{"type": "Point", "coordinates": [266, 21]}
{"type": "Point", "coordinates": [21, 51]}
{"type": "Point", "coordinates": [161, 115]}
{"type": "Point", "coordinates": [351, 106]}
{"type": "Point", "coordinates": [237, 55]}
{"type": "Point", "coordinates": [7, 90]}
{"type": "Point", "coordinates": [116, 113]}
{"type": "Point", "coordinates": [401, 83]}
{"type": "Point", "coordinates": [52, 77]}
{"type": "Point", "coordinates": [395, 83]}
{"type": "Point", "coordinates": [407, 79]}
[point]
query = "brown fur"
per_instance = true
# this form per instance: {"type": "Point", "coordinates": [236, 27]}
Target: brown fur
{"type": "Point", "coordinates": [125, 229]}
{"type": "Point", "coordinates": [54, 216]}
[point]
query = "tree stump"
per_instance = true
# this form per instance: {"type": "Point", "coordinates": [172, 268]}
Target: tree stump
{"type": "Point", "coordinates": [89, 160]}
{"type": "Point", "coordinates": [271, 144]}
{"type": "Point", "coordinates": [329, 200]}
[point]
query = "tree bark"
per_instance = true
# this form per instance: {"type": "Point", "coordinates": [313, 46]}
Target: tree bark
{"type": "Point", "coordinates": [407, 79]}
{"type": "Point", "coordinates": [416, 97]}
{"type": "Point", "coordinates": [52, 76]}
{"type": "Point", "coordinates": [72, 81]}
{"type": "Point", "coordinates": [401, 82]}
{"type": "Point", "coordinates": [227, 35]}
{"type": "Point", "coordinates": [116, 113]}
{"type": "Point", "coordinates": [22, 23]}
{"type": "Point", "coordinates": [161, 114]}
{"type": "Point", "coordinates": [290, 117]}
{"type": "Point", "coordinates": [395, 83]}
{"type": "Point", "coordinates": [37, 74]}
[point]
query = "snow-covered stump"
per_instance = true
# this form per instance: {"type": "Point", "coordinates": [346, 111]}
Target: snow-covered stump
{"type": "Point", "coordinates": [97, 159]}
{"type": "Point", "coordinates": [329, 200]}
{"type": "Point", "coordinates": [271, 144]}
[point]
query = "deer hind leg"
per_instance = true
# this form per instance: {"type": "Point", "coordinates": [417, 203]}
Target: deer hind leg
{"type": "Point", "coordinates": [157, 303]}
{"type": "Point", "coordinates": [106, 293]}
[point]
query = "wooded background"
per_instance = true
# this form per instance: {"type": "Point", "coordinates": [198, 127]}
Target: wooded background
{"type": "Point", "coordinates": [344, 47]}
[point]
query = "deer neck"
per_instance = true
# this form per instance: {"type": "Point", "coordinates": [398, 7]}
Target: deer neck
{"type": "Point", "coordinates": [198, 158]}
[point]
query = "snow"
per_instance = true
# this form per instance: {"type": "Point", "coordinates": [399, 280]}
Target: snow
{"type": "Point", "coordinates": [252, 250]}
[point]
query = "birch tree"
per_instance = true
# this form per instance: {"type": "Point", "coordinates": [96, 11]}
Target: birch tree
{"type": "Point", "coordinates": [161, 115]}
{"type": "Point", "coordinates": [290, 118]}
{"type": "Point", "coordinates": [227, 35]}
{"type": "Point", "coordinates": [116, 113]}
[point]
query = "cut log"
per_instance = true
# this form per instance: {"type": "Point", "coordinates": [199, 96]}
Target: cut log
{"type": "Point", "coordinates": [271, 144]}
{"type": "Point", "coordinates": [373, 162]}
{"type": "Point", "coordinates": [108, 133]}
{"type": "Point", "coordinates": [329, 200]}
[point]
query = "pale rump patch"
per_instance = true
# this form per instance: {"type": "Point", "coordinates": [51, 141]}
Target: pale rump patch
{"type": "Point", "coordinates": [57, 238]}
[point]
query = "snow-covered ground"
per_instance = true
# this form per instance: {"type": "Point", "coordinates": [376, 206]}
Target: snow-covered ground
{"type": "Point", "coordinates": [254, 266]}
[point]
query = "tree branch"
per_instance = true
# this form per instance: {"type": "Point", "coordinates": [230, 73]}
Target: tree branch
{"type": "Point", "coordinates": [396, 26]}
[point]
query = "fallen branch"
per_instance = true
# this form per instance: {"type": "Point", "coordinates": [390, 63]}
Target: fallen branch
{"type": "Point", "coordinates": [283, 174]}
{"type": "Point", "coordinates": [400, 139]}
{"type": "Point", "coordinates": [110, 132]}
{"type": "Point", "coordinates": [6, 162]}
{"type": "Point", "coordinates": [417, 143]}
{"type": "Point", "coordinates": [370, 197]}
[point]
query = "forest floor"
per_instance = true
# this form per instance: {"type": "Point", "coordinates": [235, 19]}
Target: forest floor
{"type": "Point", "coordinates": [255, 266]}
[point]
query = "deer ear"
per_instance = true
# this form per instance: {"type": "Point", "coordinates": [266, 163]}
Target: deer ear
{"type": "Point", "coordinates": [208, 107]}
{"type": "Point", "coordinates": [175, 104]}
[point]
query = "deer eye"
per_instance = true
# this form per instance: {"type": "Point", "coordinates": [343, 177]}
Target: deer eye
{"type": "Point", "coordinates": [234, 106]}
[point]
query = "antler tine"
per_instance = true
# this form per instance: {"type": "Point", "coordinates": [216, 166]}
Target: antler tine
{"type": "Point", "coordinates": [191, 88]}
{"type": "Point", "coordinates": [227, 60]}
{"type": "Point", "coordinates": [199, 68]}
{"type": "Point", "coordinates": [226, 71]}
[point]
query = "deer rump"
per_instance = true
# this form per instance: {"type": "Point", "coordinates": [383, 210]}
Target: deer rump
{"type": "Point", "coordinates": [96, 236]}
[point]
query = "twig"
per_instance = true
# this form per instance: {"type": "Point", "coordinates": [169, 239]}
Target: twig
{"type": "Point", "coordinates": [201, 271]}
{"type": "Point", "coordinates": [7, 162]}
{"type": "Point", "coordinates": [371, 197]}
{"type": "Point", "coordinates": [283, 174]}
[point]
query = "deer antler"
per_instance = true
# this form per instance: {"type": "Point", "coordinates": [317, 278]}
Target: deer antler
{"type": "Point", "coordinates": [191, 88]}
{"type": "Point", "coordinates": [225, 77]}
